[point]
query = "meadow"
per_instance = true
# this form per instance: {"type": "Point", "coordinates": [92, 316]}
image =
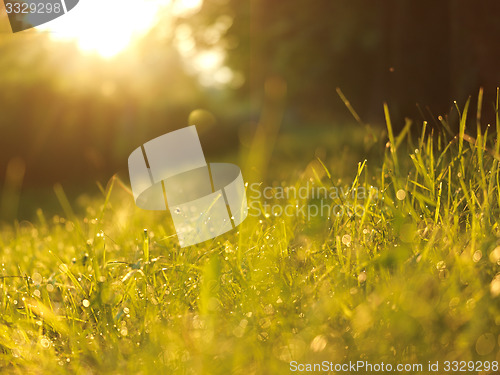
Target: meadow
{"type": "Point", "coordinates": [411, 275]}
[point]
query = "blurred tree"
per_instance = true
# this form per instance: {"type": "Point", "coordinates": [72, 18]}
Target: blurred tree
{"type": "Point", "coordinates": [401, 51]}
{"type": "Point", "coordinates": [70, 116]}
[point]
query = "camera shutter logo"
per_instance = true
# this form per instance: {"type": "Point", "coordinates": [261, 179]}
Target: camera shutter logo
{"type": "Point", "coordinates": [170, 173]}
{"type": "Point", "coordinates": [26, 14]}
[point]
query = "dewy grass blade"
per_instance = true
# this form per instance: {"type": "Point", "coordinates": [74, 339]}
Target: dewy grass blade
{"type": "Point", "coordinates": [438, 204]}
{"type": "Point", "coordinates": [392, 143]}
{"type": "Point", "coordinates": [400, 138]}
{"type": "Point", "coordinates": [145, 245]}
{"type": "Point", "coordinates": [479, 109]}
{"type": "Point", "coordinates": [497, 122]}
{"type": "Point", "coordinates": [463, 121]}
{"type": "Point", "coordinates": [347, 103]}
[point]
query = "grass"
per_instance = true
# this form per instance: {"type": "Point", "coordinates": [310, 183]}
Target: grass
{"type": "Point", "coordinates": [412, 277]}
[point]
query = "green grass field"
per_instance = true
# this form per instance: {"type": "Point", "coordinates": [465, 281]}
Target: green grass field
{"type": "Point", "coordinates": [411, 275]}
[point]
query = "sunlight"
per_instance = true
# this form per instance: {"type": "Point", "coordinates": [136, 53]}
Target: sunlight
{"type": "Point", "coordinates": [109, 27]}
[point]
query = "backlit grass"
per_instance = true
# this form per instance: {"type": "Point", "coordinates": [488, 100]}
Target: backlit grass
{"type": "Point", "coordinates": [411, 276]}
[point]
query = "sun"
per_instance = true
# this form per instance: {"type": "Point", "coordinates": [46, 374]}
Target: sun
{"type": "Point", "coordinates": [108, 27]}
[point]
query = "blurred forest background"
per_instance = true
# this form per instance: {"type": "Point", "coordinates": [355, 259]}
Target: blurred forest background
{"type": "Point", "coordinates": [74, 116]}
